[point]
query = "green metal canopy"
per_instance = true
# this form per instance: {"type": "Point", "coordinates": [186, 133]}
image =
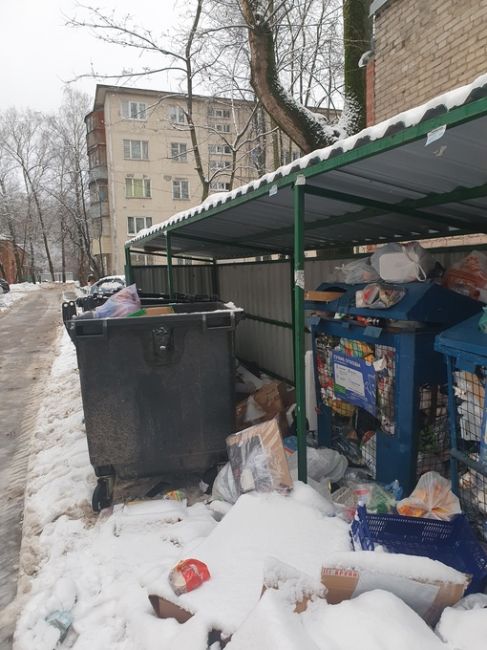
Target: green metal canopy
{"type": "Point", "coordinates": [419, 175]}
{"type": "Point", "coordinates": [391, 182]}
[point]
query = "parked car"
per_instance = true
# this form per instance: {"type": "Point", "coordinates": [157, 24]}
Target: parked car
{"type": "Point", "coordinates": [100, 291]}
{"type": "Point", "coordinates": [4, 286]}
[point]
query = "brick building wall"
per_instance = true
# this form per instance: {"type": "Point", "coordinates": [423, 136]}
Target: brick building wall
{"type": "Point", "coordinates": [426, 47]}
{"type": "Point", "coordinates": [8, 268]}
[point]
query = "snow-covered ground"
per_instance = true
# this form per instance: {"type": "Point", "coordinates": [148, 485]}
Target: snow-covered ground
{"type": "Point", "coordinates": [17, 292]}
{"type": "Point", "coordinates": [99, 570]}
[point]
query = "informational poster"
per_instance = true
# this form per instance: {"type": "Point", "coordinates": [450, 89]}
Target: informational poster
{"type": "Point", "coordinates": [354, 381]}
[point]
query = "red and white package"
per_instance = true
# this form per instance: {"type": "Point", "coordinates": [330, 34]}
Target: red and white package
{"type": "Point", "coordinates": [188, 575]}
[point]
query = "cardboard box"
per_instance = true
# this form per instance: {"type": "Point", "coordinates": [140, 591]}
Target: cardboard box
{"type": "Point", "coordinates": [270, 398]}
{"type": "Point", "coordinates": [258, 459]}
{"type": "Point", "coordinates": [167, 609]}
{"type": "Point", "coordinates": [428, 598]}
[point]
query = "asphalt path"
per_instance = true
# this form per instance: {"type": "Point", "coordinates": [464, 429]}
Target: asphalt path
{"type": "Point", "coordinates": [28, 331]}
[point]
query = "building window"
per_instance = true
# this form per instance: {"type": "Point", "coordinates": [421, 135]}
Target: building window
{"type": "Point", "coordinates": [136, 224]}
{"type": "Point", "coordinates": [219, 186]}
{"type": "Point", "coordinates": [135, 149]}
{"type": "Point", "coordinates": [179, 152]}
{"type": "Point", "coordinates": [216, 165]}
{"type": "Point", "coordinates": [224, 149]}
{"type": "Point", "coordinates": [221, 128]}
{"type": "Point", "coordinates": [134, 110]}
{"type": "Point", "coordinates": [223, 113]}
{"type": "Point", "coordinates": [180, 189]}
{"type": "Point", "coordinates": [137, 188]}
{"type": "Point", "coordinates": [177, 115]}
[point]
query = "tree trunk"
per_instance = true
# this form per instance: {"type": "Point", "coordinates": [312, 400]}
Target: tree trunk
{"type": "Point", "coordinates": [356, 38]}
{"type": "Point", "coordinates": [293, 119]}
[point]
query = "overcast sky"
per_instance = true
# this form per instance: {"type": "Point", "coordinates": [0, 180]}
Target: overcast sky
{"type": "Point", "coordinates": [39, 53]}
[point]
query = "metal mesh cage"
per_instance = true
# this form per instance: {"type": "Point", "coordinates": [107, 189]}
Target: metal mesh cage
{"type": "Point", "coordinates": [354, 429]}
{"type": "Point", "coordinates": [469, 391]}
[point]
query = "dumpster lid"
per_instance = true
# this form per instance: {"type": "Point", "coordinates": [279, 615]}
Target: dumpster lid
{"type": "Point", "coordinates": [425, 302]}
{"type": "Point", "coordinates": [464, 337]}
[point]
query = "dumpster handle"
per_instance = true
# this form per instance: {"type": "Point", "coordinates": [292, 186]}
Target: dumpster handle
{"type": "Point", "coordinates": [102, 332]}
{"type": "Point", "coordinates": [231, 326]}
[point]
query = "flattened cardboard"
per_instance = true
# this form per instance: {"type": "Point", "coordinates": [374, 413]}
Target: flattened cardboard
{"type": "Point", "coordinates": [323, 296]}
{"type": "Point", "coordinates": [158, 311]}
{"type": "Point", "coordinates": [430, 597]}
{"type": "Point", "coordinates": [261, 442]}
{"type": "Point", "coordinates": [166, 609]}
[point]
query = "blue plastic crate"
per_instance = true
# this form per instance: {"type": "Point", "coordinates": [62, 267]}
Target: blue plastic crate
{"type": "Point", "coordinates": [451, 542]}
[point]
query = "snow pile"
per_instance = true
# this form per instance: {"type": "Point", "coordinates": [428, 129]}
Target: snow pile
{"type": "Point", "coordinates": [373, 621]}
{"type": "Point", "coordinates": [464, 626]}
{"type": "Point", "coordinates": [259, 527]}
{"type": "Point", "coordinates": [17, 292]}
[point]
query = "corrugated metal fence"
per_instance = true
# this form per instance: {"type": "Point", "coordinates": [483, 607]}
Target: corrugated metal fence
{"type": "Point", "coordinates": [263, 290]}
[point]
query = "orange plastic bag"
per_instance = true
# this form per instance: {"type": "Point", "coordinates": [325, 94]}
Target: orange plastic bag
{"type": "Point", "coordinates": [469, 276]}
{"type": "Point", "coordinates": [188, 575]}
{"type": "Point", "coordinates": [431, 498]}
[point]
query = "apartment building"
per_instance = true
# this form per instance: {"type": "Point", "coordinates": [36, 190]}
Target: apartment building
{"type": "Point", "coordinates": [143, 166]}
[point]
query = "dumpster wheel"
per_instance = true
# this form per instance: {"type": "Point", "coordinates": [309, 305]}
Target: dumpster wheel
{"type": "Point", "coordinates": [102, 494]}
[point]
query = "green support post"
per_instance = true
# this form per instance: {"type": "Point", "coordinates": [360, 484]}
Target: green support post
{"type": "Point", "coordinates": [215, 282]}
{"type": "Point", "coordinates": [128, 267]}
{"type": "Point", "coordinates": [293, 320]}
{"type": "Point", "coordinates": [170, 279]}
{"type": "Point", "coordinates": [298, 325]}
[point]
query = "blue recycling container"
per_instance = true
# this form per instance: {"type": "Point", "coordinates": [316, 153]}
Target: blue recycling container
{"type": "Point", "coordinates": [465, 350]}
{"type": "Point", "coordinates": [379, 378]}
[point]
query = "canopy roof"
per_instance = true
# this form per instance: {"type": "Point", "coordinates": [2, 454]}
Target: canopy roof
{"type": "Point", "coordinates": [419, 175]}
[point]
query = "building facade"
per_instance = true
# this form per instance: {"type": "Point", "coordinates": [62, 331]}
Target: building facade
{"type": "Point", "coordinates": [421, 49]}
{"type": "Point", "coordinates": [143, 166]}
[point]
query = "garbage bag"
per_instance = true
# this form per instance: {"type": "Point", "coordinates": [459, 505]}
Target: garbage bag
{"type": "Point", "coordinates": [323, 465]}
{"type": "Point", "coordinates": [358, 271]}
{"type": "Point", "coordinates": [469, 276]}
{"type": "Point", "coordinates": [402, 262]}
{"type": "Point", "coordinates": [121, 304]}
{"type": "Point", "coordinates": [431, 498]}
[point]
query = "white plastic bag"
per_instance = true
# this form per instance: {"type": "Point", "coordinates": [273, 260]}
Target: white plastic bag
{"type": "Point", "coordinates": [121, 304]}
{"type": "Point", "coordinates": [224, 488]}
{"type": "Point", "coordinates": [358, 271]}
{"type": "Point", "coordinates": [402, 262]}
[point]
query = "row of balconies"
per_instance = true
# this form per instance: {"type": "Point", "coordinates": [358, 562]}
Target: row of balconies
{"type": "Point", "coordinates": [98, 209]}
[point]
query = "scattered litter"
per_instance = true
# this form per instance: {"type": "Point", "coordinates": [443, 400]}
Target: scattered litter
{"type": "Point", "coordinates": [62, 621]}
{"type": "Point", "coordinates": [188, 575]}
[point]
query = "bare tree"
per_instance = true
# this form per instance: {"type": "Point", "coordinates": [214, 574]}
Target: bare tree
{"type": "Point", "coordinates": [27, 143]}
{"type": "Point", "coordinates": [69, 186]}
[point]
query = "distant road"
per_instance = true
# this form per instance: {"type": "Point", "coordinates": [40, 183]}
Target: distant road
{"type": "Point", "coordinates": [28, 331]}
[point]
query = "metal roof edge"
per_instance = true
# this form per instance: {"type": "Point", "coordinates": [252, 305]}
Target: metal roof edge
{"type": "Point", "coordinates": [376, 5]}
